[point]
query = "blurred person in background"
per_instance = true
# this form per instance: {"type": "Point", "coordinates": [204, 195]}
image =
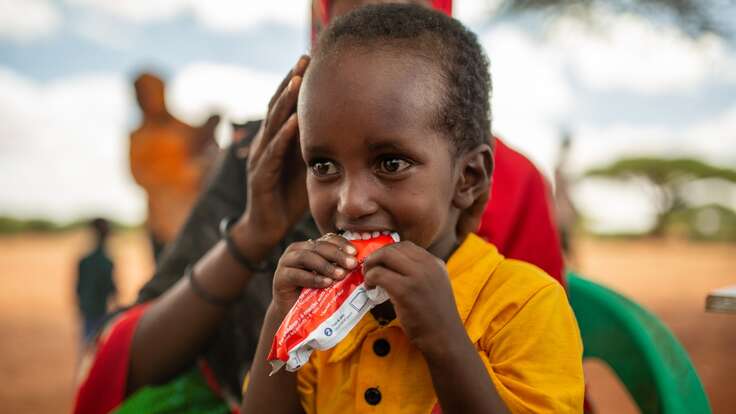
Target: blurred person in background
{"type": "Point", "coordinates": [196, 323]}
{"type": "Point", "coordinates": [169, 160]}
{"type": "Point", "coordinates": [95, 288]}
{"type": "Point", "coordinates": [567, 214]}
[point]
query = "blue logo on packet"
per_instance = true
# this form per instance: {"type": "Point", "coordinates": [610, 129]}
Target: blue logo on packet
{"type": "Point", "coordinates": [328, 332]}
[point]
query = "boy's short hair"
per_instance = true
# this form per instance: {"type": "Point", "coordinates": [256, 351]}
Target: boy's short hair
{"type": "Point", "coordinates": [465, 113]}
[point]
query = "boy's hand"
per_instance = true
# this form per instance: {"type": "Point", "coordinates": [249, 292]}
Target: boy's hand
{"type": "Point", "coordinates": [419, 288]}
{"type": "Point", "coordinates": [311, 264]}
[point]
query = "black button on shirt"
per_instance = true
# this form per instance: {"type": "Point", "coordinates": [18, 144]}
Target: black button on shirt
{"type": "Point", "coordinates": [381, 347]}
{"type": "Point", "coordinates": [372, 396]}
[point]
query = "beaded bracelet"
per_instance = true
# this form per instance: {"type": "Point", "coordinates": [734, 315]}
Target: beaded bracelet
{"type": "Point", "coordinates": [225, 225]}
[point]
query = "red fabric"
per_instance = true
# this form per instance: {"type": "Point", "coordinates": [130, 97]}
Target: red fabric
{"type": "Point", "coordinates": [444, 6]}
{"type": "Point", "coordinates": [321, 16]}
{"type": "Point", "coordinates": [104, 387]}
{"type": "Point", "coordinates": [518, 218]}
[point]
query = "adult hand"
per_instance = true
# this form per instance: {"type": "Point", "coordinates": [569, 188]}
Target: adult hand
{"type": "Point", "coordinates": [420, 290]}
{"type": "Point", "coordinates": [276, 189]}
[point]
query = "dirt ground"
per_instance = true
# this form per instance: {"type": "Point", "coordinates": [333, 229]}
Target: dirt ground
{"type": "Point", "coordinates": [39, 330]}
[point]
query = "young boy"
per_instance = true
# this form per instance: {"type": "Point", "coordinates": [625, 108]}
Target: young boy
{"type": "Point", "coordinates": [394, 118]}
{"type": "Point", "coordinates": [95, 284]}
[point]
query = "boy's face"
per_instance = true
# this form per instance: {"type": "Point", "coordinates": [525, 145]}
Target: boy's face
{"type": "Point", "coordinates": [374, 161]}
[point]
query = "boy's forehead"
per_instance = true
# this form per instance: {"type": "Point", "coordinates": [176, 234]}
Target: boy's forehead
{"type": "Point", "coordinates": [398, 88]}
{"type": "Point", "coordinates": [367, 103]}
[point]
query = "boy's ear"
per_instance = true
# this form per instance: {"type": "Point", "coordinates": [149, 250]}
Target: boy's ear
{"type": "Point", "coordinates": [474, 182]}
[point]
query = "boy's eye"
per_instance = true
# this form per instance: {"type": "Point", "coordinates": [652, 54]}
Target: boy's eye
{"type": "Point", "coordinates": [323, 168]}
{"type": "Point", "coordinates": [393, 165]}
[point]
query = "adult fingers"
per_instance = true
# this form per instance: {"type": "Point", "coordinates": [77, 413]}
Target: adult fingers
{"type": "Point", "coordinates": [277, 149]}
{"type": "Point", "coordinates": [297, 70]}
{"type": "Point", "coordinates": [280, 107]}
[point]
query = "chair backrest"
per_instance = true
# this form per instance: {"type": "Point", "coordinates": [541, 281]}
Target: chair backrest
{"type": "Point", "coordinates": [648, 359]}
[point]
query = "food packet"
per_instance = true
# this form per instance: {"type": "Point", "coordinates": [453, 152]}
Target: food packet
{"type": "Point", "coordinates": [322, 317]}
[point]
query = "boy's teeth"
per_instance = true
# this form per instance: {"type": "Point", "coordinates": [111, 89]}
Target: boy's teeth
{"type": "Point", "coordinates": [349, 235]}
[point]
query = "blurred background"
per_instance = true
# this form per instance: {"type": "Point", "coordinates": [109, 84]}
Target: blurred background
{"type": "Point", "coordinates": [628, 107]}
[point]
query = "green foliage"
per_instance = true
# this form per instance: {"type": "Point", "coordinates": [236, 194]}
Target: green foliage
{"type": "Point", "coordinates": [693, 17]}
{"type": "Point", "coordinates": [663, 171]}
{"type": "Point", "coordinates": [711, 222]}
{"type": "Point", "coordinates": [667, 177]}
{"type": "Point", "coordinates": [11, 225]}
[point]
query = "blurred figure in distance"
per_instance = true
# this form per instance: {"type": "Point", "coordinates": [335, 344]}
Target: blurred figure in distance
{"type": "Point", "coordinates": [169, 160]}
{"type": "Point", "coordinates": [95, 288]}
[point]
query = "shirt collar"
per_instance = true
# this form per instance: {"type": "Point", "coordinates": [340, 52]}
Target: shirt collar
{"type": "Point", "coordinates": [469, 268]}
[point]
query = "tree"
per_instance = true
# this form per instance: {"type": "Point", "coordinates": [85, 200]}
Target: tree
{"type": "Point", "coordinates": [693, 17]}
{"type": "Point", "coordinates": [667, 177]}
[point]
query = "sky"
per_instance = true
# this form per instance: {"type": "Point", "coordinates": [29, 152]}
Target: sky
{"type": "Point", "coordinates": [67, 105]}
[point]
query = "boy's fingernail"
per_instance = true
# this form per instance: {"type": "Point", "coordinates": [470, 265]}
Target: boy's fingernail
{"type": "Point", "coordinates": [351, 262]}
{"type": "Point", "coordinates": [350, 250]}
{"type": "Point", "coordinates": [290, 86]}
{"type": "Point", "coordinates": [339, 271]}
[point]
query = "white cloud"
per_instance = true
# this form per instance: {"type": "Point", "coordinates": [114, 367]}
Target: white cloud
{"type": "Point", "coordinates": [531, 96]}
{"type": "Point", "coordinates": [217, 15]}
{"type": "Point", "coordinates": [233, 15]}
{"type": "Point", "coordinates": [64, 145]}
{"type": "Point", "coordinates": [629, 53]}
{"type": "Point", "coordinates": [712, 139]}
{"type": "Point", "coordinates": [614, 207]}
{"type": "Point", "coordinates": [473, 12]}
{"type": "Point", "coordinates": [236, 92]}
{"type": "Point", "coordinates": [715, 138]}
{"type": "Point", "coordinates": [136, 10]}
{"type": "Point", "coordinates": [64, 148]}
{"type": "Point", "coordinates": [25, 20]}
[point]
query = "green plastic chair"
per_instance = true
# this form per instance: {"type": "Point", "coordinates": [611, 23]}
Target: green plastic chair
{"type": "Point", "coordinates": [650, 362]}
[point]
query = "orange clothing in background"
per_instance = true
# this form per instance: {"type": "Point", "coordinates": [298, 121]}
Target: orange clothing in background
{"type": "Point", "coordinates": [163, 163]}
{"type": "Point", "coordinates": [517, 317]}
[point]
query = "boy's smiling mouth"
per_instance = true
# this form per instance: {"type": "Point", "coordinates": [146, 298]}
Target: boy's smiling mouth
{"type": "Point", "coordinates": [366, 235]}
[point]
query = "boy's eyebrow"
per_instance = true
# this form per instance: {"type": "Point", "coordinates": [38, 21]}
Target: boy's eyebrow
{"type": "Point", "coordinates": [385, 145]}
{"type": "Point", "coordinates": [316, 149]}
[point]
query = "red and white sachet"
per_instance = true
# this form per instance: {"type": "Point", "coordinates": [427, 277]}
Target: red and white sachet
{"type": "Point", "coordinates": [322, 317]}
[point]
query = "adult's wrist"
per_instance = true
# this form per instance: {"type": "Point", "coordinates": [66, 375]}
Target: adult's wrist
{"type": "Point", "coordinates": [252, 241]}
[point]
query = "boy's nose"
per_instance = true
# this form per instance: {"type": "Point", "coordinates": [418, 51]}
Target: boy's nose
{"type": "Point", "coordinates": [355, 199]}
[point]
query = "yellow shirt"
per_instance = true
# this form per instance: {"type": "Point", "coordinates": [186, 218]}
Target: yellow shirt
{"type": "Point", "coordinates": [518, 318]}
